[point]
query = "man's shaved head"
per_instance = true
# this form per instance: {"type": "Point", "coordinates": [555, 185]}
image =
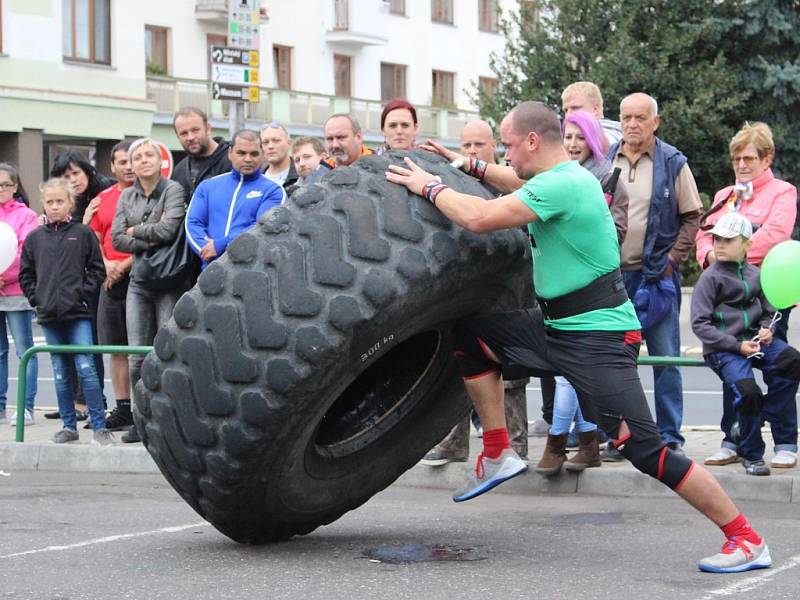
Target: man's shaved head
{"type": "Point", "coordinates": [537, 117]}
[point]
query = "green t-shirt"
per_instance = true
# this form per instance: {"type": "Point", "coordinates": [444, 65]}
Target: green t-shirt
{"type": "Point", "coordinates": [573, 242]}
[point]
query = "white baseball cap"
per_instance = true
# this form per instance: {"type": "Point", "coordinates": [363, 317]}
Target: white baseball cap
{"type": "Point", "coordinates": [732, 224]}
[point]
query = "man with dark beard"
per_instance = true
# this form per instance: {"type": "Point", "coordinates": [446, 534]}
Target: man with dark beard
{"type": "Point", "coordinates": [206, 156]}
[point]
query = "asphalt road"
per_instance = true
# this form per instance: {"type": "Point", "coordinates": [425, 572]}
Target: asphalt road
{"type": "Point", "coordinates": [74, 536]}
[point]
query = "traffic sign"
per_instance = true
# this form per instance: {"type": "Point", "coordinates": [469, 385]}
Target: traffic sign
{"type": "Point", "coordinates": [234, 74]}
{"type": "Point", "coordinates": [225, 91]}
{"type": "Point", "coordinates": [243, 22]}
{"type": "Point", "coordinates": [167, 162]}
{"type": "Point", "coordinates": [225, 55]}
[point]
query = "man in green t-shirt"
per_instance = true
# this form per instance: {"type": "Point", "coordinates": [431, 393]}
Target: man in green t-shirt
{"type": "Point", "coordinates": [585, 329]}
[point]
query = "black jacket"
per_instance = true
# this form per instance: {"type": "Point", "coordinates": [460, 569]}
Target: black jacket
{"type": "Point", "coordinates": [61, 269]}
{"type": "Point", "coordinates": [206, 167]}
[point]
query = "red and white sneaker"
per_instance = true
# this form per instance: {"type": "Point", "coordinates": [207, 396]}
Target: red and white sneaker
{"type": "Point", "coordinates": [738, 555]}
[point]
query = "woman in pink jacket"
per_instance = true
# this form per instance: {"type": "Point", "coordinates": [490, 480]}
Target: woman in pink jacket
{"type": "Point", "coordinates": [770, 204]}
{"type": "Point", "coordinates": [15, 312]}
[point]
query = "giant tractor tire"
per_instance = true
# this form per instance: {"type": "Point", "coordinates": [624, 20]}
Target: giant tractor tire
{"type": "Point", "coordinates": [312, 364]}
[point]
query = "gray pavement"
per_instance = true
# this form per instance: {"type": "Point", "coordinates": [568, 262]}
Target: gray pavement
{"type": "Point", "coordinates": [129, 536]}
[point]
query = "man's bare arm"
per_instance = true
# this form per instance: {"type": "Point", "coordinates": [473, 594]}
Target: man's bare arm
{"type": "Point", "coordinates": [470, 212]}
{"type": "Point", "coordinates": [501, 178]}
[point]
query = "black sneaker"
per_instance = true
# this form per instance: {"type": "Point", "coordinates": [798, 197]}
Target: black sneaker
{"type": "Point", "coordinates": [755, 467]}
{"type": "Point", "coordinates": [611, 454]}
{"type": "Point", "coordinates": [52, 415]}
{"type": "Point", "coordinates": [131, 436]}
{"type": "Point", "coordinates": [119, 419]}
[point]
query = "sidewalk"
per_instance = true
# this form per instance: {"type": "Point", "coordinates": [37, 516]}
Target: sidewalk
{"type": "Point", "coordinates": [612, 479]}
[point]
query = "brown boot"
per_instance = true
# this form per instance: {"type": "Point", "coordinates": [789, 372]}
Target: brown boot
{"type": "Point", "coordinates": [555, 454]}
{"type": "Point", "coordinates": [588, 453]}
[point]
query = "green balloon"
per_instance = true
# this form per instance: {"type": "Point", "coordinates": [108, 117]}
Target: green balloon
{"type": "Point", "coordinates": [780, 274]}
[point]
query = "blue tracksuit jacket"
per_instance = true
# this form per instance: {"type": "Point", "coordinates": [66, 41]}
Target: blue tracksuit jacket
{"type": "Point", "coordinates": [226, 205]}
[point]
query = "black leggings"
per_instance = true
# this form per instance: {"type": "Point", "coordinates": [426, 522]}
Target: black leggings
{"type": "Point", "coordinates": [600, 365]}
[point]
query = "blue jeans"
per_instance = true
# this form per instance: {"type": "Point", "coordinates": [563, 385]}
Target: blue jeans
{"type": "Point", "coordinates": [663, 339]}
{"type": "Point", "coordinates": [75, 332]}
{"type": "Point", "coordinates": [566, 408]}
{"type": "Point", "coordinates": [20, 324]}
{"type": "Point", "coordinates": [729, 415]}
{"type": "Point", "coordinates": [779, 409]}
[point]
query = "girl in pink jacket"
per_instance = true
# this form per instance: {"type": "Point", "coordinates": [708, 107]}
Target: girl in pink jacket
{"type": "Point", "coordinates": [15, 312]}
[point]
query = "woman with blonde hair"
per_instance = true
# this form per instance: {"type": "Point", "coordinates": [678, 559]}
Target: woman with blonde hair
{"type": "Point", "coordinates": [149, 215]}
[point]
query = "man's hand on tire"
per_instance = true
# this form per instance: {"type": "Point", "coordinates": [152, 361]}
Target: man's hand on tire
{"type": "Point", "coordinates": [414, 178]}
{"type": "Point", "coordinates": [437, 148]}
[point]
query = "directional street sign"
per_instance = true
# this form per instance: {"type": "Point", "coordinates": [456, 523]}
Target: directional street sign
{"type": "Point", "coordinates": [222, 91]}
{"type": "Point", "coordinates": [225, 55]}
{"type": "Point", "coordinates": [234, 74]}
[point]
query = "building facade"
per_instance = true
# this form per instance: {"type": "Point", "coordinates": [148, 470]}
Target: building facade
{"type": "Point", "coordinates": [87, 73]}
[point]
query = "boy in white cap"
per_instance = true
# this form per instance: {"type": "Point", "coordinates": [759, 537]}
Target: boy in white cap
{"type": "Point", "coordinates": [733, 319]}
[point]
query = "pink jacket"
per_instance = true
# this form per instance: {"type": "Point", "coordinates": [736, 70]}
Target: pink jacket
{"type": "Point", "coordinates": [22, 220]}
{"type": "Point", "coordinates": [771, 210]}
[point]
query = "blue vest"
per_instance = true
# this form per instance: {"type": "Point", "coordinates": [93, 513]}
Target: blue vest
{"type": "Point", "coordinates": [663, 220]}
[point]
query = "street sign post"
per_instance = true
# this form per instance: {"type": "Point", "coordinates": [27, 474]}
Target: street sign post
{"type": "Point", "coordinates": [234, 68]}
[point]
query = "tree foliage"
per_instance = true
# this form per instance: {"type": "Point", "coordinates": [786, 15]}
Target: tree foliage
{"type": "Point", "coordinates": [710, 65]}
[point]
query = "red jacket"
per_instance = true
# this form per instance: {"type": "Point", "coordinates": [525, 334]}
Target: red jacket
{"type": "Point", "coordinates": [771, 210]}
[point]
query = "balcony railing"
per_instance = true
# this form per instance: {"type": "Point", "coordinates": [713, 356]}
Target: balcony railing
{"type": "Point", "coordinates": [301, 110]}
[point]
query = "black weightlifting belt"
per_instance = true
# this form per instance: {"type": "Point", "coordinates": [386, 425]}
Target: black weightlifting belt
{"type": "Point", "coordinates": [607, 291]}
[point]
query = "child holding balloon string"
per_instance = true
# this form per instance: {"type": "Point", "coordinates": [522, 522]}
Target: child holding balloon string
{"type": "Point", "coordinates": [61, 270]}
{"type": "Point", "coordinates": [16, 316]}
{"type": "Point", "coordinates": [734, 321]}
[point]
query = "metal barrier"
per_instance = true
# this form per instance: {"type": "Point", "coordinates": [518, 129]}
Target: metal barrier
{"type": "Point", "coordinates": [679, 361]}
{"type": "Point", "coordinates": [22, 383]}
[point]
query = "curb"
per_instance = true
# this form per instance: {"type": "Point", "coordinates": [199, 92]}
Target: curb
{"type": "Point", "coordinates": [78, 458]}
{"type": "Point", "coordinates": [621, 480]}
{"type": "Point", "coordinates": [610, 481]}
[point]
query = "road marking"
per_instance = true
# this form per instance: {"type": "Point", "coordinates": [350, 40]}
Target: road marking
{"type": "Point", "coordinates": [751, 583]}
{"type": "Point", "coordinates": [106, 540]}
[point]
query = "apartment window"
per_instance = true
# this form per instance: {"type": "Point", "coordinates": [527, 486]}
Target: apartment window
{"type": "Point", "coordinates": [282, 60]}
{"type": "Point", "coordinates": [488, 85]}
{"type": "Point", "coordinates": [155, 50]}
{"type": "Point", "coordinates": [487, 15]}
{"type": "Point", "coordinates": [340, 14]}
{"type": "Point", "coordinates": [442, 11]}
{"type": "Point", "coordinates": [397, 7]}
{"type": "Point", "coordinates": [87, 30]}
{"type": "Point", "coordinates": [529, 14]}
{"type": "Point", "coordinates": [444, 88]}
{"type": "Point", "coordinates": [341, 66]}
{"type": "Point", "coordinates": [393, 81]}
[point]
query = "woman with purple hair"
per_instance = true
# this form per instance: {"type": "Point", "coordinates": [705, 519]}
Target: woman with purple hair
{"type": "Point", "coordinates": [585, 142]}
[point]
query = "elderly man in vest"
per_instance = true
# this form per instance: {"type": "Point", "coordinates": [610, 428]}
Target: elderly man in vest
{"type": "Point", "coordinates": [663, 218]}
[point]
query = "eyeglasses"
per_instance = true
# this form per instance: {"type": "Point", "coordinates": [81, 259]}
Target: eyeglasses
{"type": "Point", "coordinates": [7, 185]}
{"type": "Point", "coordinates": [747, 160]}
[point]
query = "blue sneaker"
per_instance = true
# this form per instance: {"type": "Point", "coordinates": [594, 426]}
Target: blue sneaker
{"type": "Point", "coordinates": [737, 556]}
{"type": "Point", "coordinates": [490, 473]}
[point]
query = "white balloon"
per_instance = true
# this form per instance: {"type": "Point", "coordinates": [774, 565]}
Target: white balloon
{"type": "Point", "coordinates": [8, 246]}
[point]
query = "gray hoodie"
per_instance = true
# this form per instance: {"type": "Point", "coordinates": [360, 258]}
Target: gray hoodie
{"type": "Point", "coordinates": [728, 306]}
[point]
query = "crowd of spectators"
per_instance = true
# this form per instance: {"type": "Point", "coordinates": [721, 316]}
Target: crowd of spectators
{"type": "Point", "coordinates": [84, 267]}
